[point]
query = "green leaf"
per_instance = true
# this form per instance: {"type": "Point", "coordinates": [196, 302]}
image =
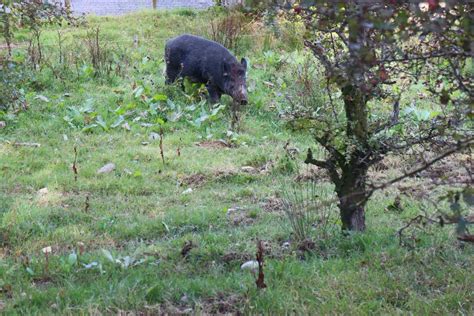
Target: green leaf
{"type": "Point", "coordinates": [72, 259]}
{"type": "Point", "coordinates": [100, 121]}
{"type": "Point", "coordinates": [170, 104]}
{"type": "Point", "coordinates": [160, 97]}
{"type": "Point", "coordinates": [166, 227]}
{"type": "Point", "coordinates": [108, 255]}
{"type": "Point", "coordinates": [120, 111]}
{"type": "Point", "coordinates": [138, 92]}
{"type": "Point", "coordinates": [137, 174]}
{"type": "Point", "coordinates": [160, 121]}
{"type": "Point", "coordinates": [30, 271]}
{"type": "Point", "coordinates": [155, 293]}
{"type": "Point", "coordinates": [89, 127]}
{"type": "Point", "coordinates": [119, 121]}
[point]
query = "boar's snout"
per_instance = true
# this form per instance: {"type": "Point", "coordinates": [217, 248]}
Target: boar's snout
{"type": "Point", "coordinates": [241, 95]}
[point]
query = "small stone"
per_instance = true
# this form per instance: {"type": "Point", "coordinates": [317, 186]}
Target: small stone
{"type": "Point", "coordinates": [184, 299]}
{"type": "Point", "coordinates": [3, 124]}
{"type": "Point", "coordinates": [107, 168]}
{"type": "Point", "coordinates": [43, 191]}
{"type": "Point", "coordinates": [285, 245]}
{"type": "Point", "coordinates": [47, 250]}
{"type": "Point", "coordinates": [187, 191]}
{"type": "Point", "coordinates": [251, 265]}
{"type": "Point", "coordinates": [232, 210]}
{"type": "Point", "coordinates": [153, 136]}
{"type": "Point", "coordinates": [126, 126]}
{"type": "Point", "coordinates": [145, 143]}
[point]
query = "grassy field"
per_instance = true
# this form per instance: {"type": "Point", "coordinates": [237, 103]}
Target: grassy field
{"type": "Point", "coordinates": [152, 237]}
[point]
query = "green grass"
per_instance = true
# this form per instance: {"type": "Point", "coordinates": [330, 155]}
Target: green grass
{"type": "Point", "coordinates": [140, 215]}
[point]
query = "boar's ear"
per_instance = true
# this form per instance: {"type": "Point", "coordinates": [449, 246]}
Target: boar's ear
{"type": "Point", "coordinates": [243, 61]}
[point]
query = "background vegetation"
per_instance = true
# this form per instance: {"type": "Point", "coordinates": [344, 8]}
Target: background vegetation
{"type": "Point", "coordinates": [166, 228]}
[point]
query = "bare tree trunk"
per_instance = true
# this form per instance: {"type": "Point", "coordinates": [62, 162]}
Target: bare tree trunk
{"type": "Point", "coordinates": [352, 198]}
{"type": "Point", "coordinates": [352, 189]}
{"type": "Point", "coordinates": [155, 4]}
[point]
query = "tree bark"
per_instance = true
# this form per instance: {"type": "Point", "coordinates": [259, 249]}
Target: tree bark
{"type": "Point", "coordinates": [351, 192]}
{"type": "Point", "coordinates": [352, 189]}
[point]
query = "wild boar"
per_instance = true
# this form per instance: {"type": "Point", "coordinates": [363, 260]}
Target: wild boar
{"type": "Point", "coordinates": [208, 62]}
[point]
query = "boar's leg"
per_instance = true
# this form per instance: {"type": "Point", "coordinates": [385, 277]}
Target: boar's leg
{"type": "Point", "coordinates": [214, 93]}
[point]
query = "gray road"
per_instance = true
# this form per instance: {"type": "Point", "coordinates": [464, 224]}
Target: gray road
{"type": "Point", "coordinates": [117, 7]}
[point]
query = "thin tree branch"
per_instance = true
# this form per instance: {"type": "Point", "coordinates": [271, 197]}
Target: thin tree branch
{"type": "Point", "coordinates": [460, 145]}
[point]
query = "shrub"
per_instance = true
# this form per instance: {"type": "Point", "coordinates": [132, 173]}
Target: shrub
{"type": "Point", "coordinates": [13, 79]}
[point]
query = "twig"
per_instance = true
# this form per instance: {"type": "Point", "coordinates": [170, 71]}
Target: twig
{"type": "Point", "coordinates": [74, 164]}
{"type": "Point", "coordinates": [458, 147]}
{"type": "Point", "coordinates": [161, 146]}
{"type": "Point", "coordinates": [261, 277]}
{"type": "Point", "coordinates": [27, 144]}
{"type": "Point", "coordinates": [87, 206]}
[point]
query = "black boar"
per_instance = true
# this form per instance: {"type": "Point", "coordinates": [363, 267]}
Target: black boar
{"type": "Point", "coordinates": [208, 62]}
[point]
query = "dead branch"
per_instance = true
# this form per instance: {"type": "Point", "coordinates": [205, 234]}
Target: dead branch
{"type": "Point", "coordinates": [26, 144]}
{"type": "Point", "coordinates": [261, 277]}
{"type": "Point", "coordinates": [161, 146]}
{"type": "Point", "coordinates": [74, 164]}
{"type": "Point", "coordinates": [459, 146]}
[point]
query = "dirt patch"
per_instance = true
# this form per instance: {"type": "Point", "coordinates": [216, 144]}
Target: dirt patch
{"type": "Point", "coordinates": [214, 144]}
{"type": "Point", "coordinates": [236, 256]}
{"type": "Point", "coordinates": [454, 169]}
{"type": "Point", "coordinates": [312, 173]}
{"type": "Point", "coordinates": [240, 216]}
{"type": "Point", "coordinates": [224, 173]}
{"type": "Point", "coordinates": [43, 282]}
{"type": "Point", "coordinates": [273, 205]}
{"type": "Point", "coordinates": [223, 304]}
{"type": "Point", "coordinates": [262, 169]}
{"type": "Point", "coordinates": [12, 46]}
{"type": "Point", "coordinates": [167, 308]}
{"type": "Point", "coordinates": [194, 180]}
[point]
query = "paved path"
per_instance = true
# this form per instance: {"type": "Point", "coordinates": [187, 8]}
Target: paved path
{"type": "Point", "coordinates": [117, 7]}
